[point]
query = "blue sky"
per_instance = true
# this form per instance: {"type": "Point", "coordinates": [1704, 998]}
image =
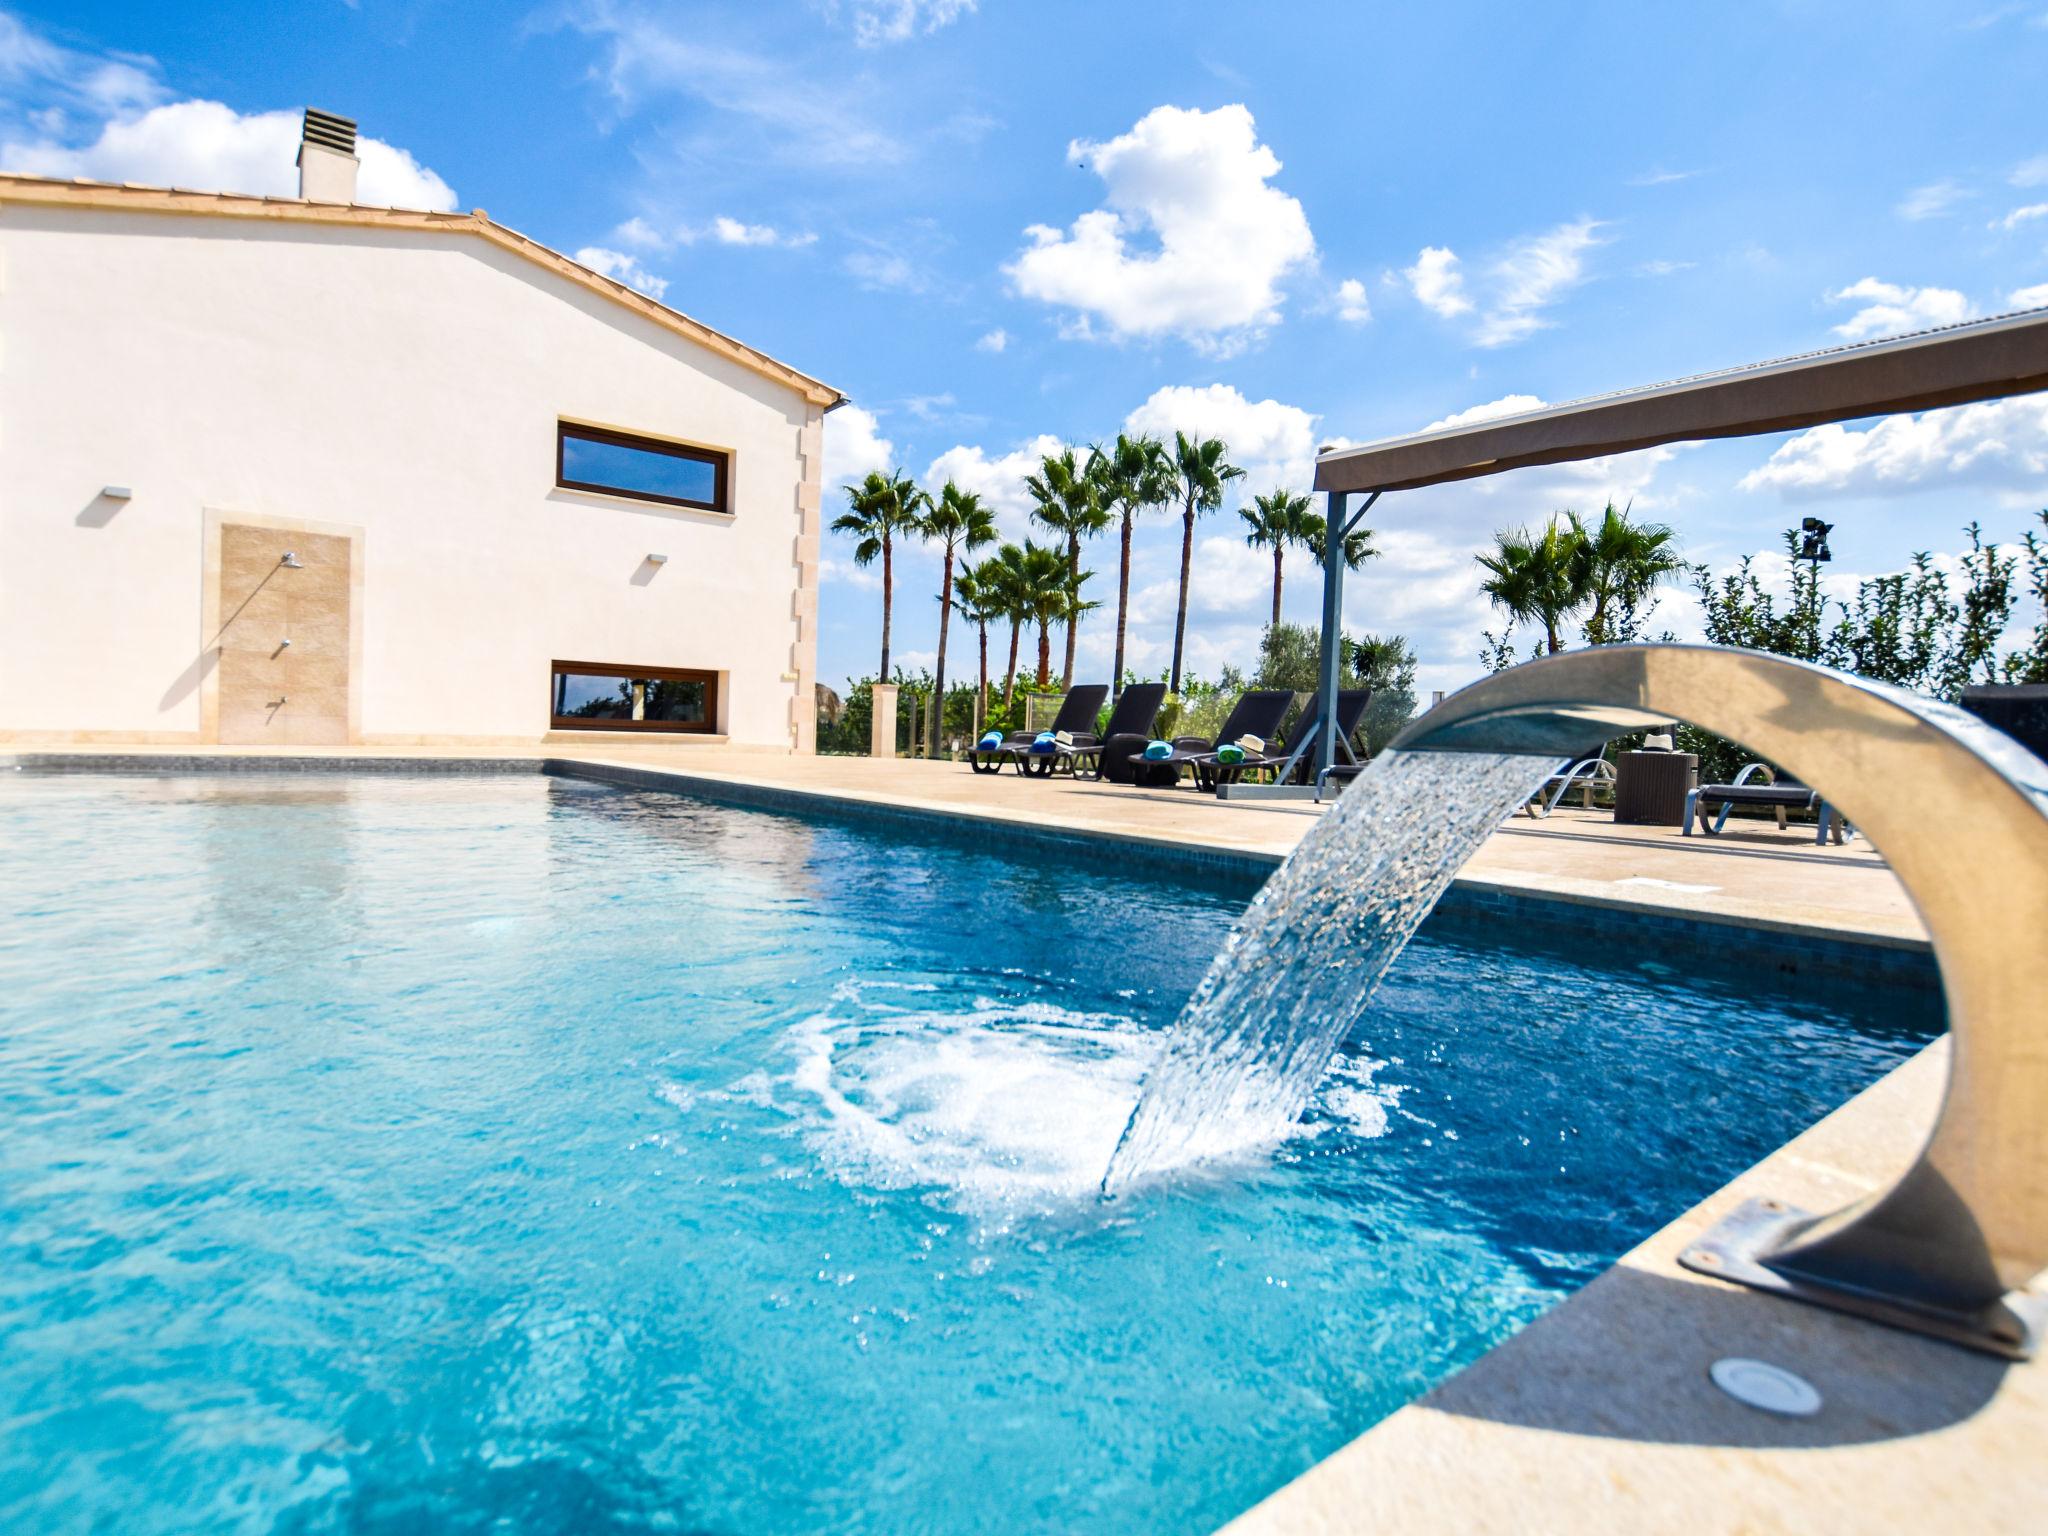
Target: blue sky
{"type": "Point", "coordinates": [1000, 225]}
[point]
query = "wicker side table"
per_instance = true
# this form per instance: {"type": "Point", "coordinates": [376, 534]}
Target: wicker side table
{"type": "Point", "coordinates": [1650, 787]}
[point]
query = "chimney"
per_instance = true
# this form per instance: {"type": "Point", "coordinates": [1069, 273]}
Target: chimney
{"type": "Point", "coordinates": [327, 158]}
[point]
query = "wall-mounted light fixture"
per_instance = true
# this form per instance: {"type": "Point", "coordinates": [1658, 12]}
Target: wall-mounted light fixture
{"type": "Point", "coordinates": [116, 492]}
{"type": "Point", "coordinates": [657, 559]}
{"type": "Point", "coordinates": [291, 562]}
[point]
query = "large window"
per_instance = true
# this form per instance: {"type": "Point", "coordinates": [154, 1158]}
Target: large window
{"type": "Point", "coordinates": [595, 696]}
{"type": "Point", "coordinates": [619, 464]}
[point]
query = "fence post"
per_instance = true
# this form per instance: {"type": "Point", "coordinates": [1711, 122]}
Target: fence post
{"type": "Point", "coordinates": [882, 728]}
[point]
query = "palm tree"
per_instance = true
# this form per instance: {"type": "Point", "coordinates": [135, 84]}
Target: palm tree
{"type": "Point", "coordinates": [1537, 577]}
{"type": "Point", "coordinates": [879, 508]}
{"type": "Point", "coordinates": [957, 520]}
{"type": "Point", "coordinates": [1003, 577]}
{"type": "Point", "coordinates": [1131, 476]}
{"type": "Point", "coordinates": [975, 596]}
{"type": "Point", "coordinates": [1200, 473]}
{"type": "Point", "coordinates": [1067, 502]}
{"type": "Point", "coordinates": [1619, 563]}
{"type": "Point", "coordinates": [1047, 594]}
{"type": "Point", "coordinates": [1276, 521]}
{"type": "Point", "coordinates": [1358, 545]}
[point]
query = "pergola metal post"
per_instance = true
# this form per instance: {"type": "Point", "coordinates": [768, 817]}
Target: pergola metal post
{"type": "Point", "coordinates": [1338, 522]}
{"type": "Point", "coordinates": [1333, 627]}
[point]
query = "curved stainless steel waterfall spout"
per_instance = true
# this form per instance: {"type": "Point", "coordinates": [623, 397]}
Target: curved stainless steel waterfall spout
{"type": "Point", "coordinates": [1961, 813]}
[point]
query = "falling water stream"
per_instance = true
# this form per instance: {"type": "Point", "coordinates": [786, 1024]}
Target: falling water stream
{"type": "Point", "coordinates": [1301, 966]}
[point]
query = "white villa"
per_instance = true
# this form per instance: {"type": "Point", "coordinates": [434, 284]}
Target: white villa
{"type": "Point", "coordinates": [296, 471]}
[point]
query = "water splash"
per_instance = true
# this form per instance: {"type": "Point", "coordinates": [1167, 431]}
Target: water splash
{"type": "Point", "coordinates": [1299, 969]}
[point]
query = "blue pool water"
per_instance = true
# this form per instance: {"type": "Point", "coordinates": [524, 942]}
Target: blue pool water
{"type": "Point", "coordinates": [463, 1154]}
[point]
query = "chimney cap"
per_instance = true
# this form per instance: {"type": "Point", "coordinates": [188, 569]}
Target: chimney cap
{"type": "Point", "coordinates": [330, 131]}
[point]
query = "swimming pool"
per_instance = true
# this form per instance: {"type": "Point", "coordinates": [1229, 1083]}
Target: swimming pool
{"type": "Point", "coordinates": [435, 1152]}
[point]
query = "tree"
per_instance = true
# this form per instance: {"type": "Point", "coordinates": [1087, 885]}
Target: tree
{"type": "Point", "coordinates": [1048, 594]}
{"type": "Point", "coordinates": [957, 520]}
{"type": "Point", "coordinates": [1537, 577]}
{"type": "Point", "coordinates": [1358, 547]}
{"type": "Point", "coordinates": [979, 606]}
{"type": "Point", "coordinates": [1066, 500]}
{"type": "Point", "coordinates": [1129, 477]}
{"type": "Point", "coordinates": [2031, 664]}
{"type": "Point", "coordinates": [1200, 475]}
{"type": "Point", "coordinates": [1618, 565]}
{"type": "Point", "coordinates": [1003, 577]}
{"type": "Point", "coordinates": [1276, 521]}
{"type": "Point", "coordinates": [1290, 656]}
{"type": "Point", "coordinates": [880, 508]}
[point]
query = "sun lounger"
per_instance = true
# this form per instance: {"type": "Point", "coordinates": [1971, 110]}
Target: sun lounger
{"type": "Point", "coordinates": [1257, 713]}
{"type": "Point", "coordinates": [1586, 775]}
{"type": "Point", "coordinates": [1711, 803]}
{"type": "Point", "coordinates": [1076, 717]}
{"type": "Point", "coordinates": [1136, 708]}
{"type": "Point", "coordinates": [1289, 765]}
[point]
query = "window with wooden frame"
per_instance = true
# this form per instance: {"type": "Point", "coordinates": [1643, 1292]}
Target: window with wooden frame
{"type": "Point", "coordinates": [644, 468]}
{"type": "Point", "coordinates": [598, 696]}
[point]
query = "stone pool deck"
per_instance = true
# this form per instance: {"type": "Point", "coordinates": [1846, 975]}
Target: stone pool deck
{"type": "Point", "coordinates": [1599, 1417]}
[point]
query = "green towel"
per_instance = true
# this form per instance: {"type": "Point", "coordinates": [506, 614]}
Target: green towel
{"type": "Point", "coordinates": [1230, 755]}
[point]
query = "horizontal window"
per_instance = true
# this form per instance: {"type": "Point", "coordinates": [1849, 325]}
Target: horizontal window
{"type": "Point", "coordinates": [596, 696]}
{"type": "Point", "coordinates": [619, 464]}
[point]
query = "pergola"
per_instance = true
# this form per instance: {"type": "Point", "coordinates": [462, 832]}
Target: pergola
{"type": "Point", "coordinates": [1952, 365]}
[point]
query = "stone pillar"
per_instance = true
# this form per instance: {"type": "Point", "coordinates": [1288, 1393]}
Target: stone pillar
{"type": "Point", "coordinates": [882, 730]}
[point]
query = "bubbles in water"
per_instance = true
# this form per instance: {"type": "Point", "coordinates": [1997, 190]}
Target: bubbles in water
{"type": "Point", "coordinates": [1002, 1105]}
{"type": "Point", "coordinates": [1300, 967]}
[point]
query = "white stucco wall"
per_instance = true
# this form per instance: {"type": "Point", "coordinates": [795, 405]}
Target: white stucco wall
{"type": "Point", "coordinates": [404, 383]}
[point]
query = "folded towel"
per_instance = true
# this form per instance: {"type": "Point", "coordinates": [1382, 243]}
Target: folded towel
{"type": "Point", "coordinates": [1252, 743]}
{"type": "Point", "coordinates": [1229, 755]}
{"type": "Point", "coordinates": [1044, 742]}
{"type": "Point", "coordinates": [991, 741]}
{"type": "Point", "coordinates": [1157, 750]}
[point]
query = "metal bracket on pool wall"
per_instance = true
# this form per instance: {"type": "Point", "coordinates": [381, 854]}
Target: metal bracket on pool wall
{"type": "Point", "coordinates": [1960, 811]}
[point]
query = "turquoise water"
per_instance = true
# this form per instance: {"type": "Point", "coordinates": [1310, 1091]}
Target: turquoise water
{"type": "Point", "coordinates": [463, 1154]}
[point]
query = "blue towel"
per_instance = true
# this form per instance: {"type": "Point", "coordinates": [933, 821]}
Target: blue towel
{"type": "Point", "coordinates": [1230, 754]}
{"type": "Point", "coordinates": [991, 741]}
{"type": "Point", "coordinates": [1044, 742]}
{"type": "Point", "coordinates": [1156, 750]}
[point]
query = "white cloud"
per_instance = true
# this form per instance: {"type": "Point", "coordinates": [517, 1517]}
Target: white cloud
{"type": "Point", "coordinates": [2021, 216]}
{"type": "Point", "coordinates": [882, 269]}
{"type": "Point", "coordinates": [2002, 444]}
{"type": "Point", "coordinates": [641, 235]}
{"type": "Point", "coordinates": [1437, 282]}
{"type": "Point", "coordinates": [765, 107]}
{"type": "Point", "coordinates": [1930, 201]}
{"type": "Point", "coordinates": [1199, 184]}
{"type": "Point", "coordinates": [1274, 444]}
{"type": "Point", "coordinates": [209, 147]}
{"type": "Point", "coordinates": [73, 82]}
{"type": "Point", "coordinates": [893, 21]}
{"type": "Point", "coordinates": [1890, 309]}
{"type": "Point", "coordinates": [993, 341]}
{"type": "Point", "coordinates": [638, 233]}
{"type": "Point", "coordinates": [1352, 305]}
{"type": "Point", "coordinates": [623, 268]}
{"type": "Point", "coordinates": [862, 578]}
{"type": "Point", "coordinates": [1533, 274]}
{"type": "Point", "coordinates": [854, 445]}
{"type": "Point", "coordinates": [2035, 297]}
{"type": "Point", "coordinates": [727, 231]}
{"type": "Point", "coordinates": [1528, 277]}
{"type": "Point", "coordinates": [998, 480]}
{"type": "Point", "coordinates": [1506, 405]}
{"type": "Point", "coordinates": [2031, 173]}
